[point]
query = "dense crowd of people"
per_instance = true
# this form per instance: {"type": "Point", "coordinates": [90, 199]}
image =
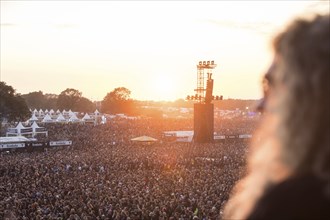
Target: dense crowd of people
{"type": "Point", "coordinates": [104, 175]}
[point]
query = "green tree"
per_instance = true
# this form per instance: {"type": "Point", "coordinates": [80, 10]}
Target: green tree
{"type": "Point", "coordinates": [12, 106]}
{"type": "Point", "coordinates": [34, 100]}
{"type": "Point", "coordinates": [118, 101]}
{"type": "Point", "coordinates": [85, 105]}
{"type": "Point", "coordinates": [69, 99]}
{"type": "Point", "coordinates": [50, 101]}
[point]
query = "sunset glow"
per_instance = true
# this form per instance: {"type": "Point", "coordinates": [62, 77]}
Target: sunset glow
{"type": "Point", "coordinates": [97, 46]}
{"type": "Point", "coordinates": [164, 87]}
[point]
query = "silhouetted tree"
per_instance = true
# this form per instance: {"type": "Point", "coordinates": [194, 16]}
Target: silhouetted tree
{"type": "Point", "coordinates": [12, 106]}
{"type": "Point", "coordinates": [38, 100]}
{"type": "Point", "coordinates": [34, 100]}
{"type": "Point", "coordinates": [69, 99]}
{"type": "Point", "coordinates": [50, 101]}
{"type": "Point", "coordinates": [118, 101]}
{"type": "Point", "coordinates": [85, 105]}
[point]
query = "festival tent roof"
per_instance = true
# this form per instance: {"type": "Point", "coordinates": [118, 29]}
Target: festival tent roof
{"type": "Point", "coordinates": [20, 126]}
{"type": "Point", "coordinates": [19, 130]}
{"type": "Point", "coordinates": [38, 130]}
{"type": "Point", "coordinates": [51, 111]}
{"type": "Point", "coordinates": [58, 111]}
{"type": "Point", "coordinates": [33, 118]}
{"type": "Point", "coordinates": [144, 139]}
{"type": "Point", "coordinates": [60, 118]}
{"type": "Point", "coordinates": [35, 125]}
{"type": "Point", "coordinates": [96, 112]}
{"type": "Point", "coordinates": [74, 118]}
{"type": "Point", "coordinates": [71, 113]}
{"type": "Point", "coordinates": [47, 118]}
{"type": "Point", "coordinates": [86, 117]}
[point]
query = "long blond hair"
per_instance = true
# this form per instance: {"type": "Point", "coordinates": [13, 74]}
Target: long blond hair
{"type": "Point", "coordinates": [294, 138]}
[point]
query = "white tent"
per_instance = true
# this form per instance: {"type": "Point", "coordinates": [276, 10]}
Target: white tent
{"type": "Point", "coordinates": [58, 111]}
{"type": "Point", "coordinates": [51, 112]}
{"type": "Point", "coordinates": [71, 113]}
{"type": "Point", "coordinates": [19, 130]}
{"type": "Point", "coordinates": [38, 130]}
{"type": "Point", "coordinates": [145, 139]}
{"type": "Point", "coordinates": [74, 118]}
{"type": "Point", "coordinates": [47, 119]}
{"type": "Point", "coordinates": [60, 118]}
{"type": "Point", "coordinates": [86, 117]}
{"type": "Point", "coordinates": [46, 111]}
{"type": "Point", "coordinates": [33, 118]}
{"type": "Point", "coordinates": [96, 112]}
{"type": "Point", "coordinates": [35, 111]}
{"type": "Point", "coordinates": [41, 113]}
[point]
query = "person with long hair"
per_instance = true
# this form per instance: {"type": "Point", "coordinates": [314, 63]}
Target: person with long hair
{"type": "Point", "coordinates": [288, 171]}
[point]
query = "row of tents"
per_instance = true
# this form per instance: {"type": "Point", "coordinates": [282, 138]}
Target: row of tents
{"type": "Point", "coordinates": [42, 113]}
{"type": "Point", "coordinates": [61, 118]}
{"type": "Point", "coordinates": [21, 130]}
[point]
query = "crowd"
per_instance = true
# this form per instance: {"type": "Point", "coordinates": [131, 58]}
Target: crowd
{"type": "Point", "coordinates": [103, 175]}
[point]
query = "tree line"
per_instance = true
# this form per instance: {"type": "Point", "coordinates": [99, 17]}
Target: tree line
{"type": "Point", "coordinates": [116, 101]}
{"type": "Point", "coordinates": [16, 107]}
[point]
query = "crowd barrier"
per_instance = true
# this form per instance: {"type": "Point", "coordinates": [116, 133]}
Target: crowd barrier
{"type": "Point", "coordinates": [33, 145]}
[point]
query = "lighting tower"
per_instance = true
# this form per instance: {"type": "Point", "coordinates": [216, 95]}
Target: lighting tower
{"type": "Point", "coordinates": [204, 109]}
{"type": "Point", "coordinates": [202, 92]}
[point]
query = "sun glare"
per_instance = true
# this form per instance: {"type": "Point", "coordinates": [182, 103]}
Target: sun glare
{"type": "Point", "coordinates": [163, 87]}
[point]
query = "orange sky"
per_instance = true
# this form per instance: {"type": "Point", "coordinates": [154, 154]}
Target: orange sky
{"type": "Point", "coordinates": [151, 48]}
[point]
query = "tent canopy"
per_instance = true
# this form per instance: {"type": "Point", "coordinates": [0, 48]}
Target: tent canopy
{"type": "Point", "coordinates": [86, 117]}
{"type": "Point", "coordinates": [20, 126]}
{"type": "Point", "coordinates": [33, 118]}
{"type": "Point", "coordinates": [60, 118]}
{"type": "Point", "coordinates": [144, 139]}
{"type": "Point", "coordinates": [35, 125]}
{"type": "Point", "coordinates": [74, 118]}
{"type": "Point", "coordinates": [47, 118]}
{"type": "Point", "coordinates": [19, 130]}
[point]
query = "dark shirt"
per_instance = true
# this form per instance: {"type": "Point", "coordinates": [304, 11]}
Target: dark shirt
{"type": "Point", "coordinates": [305, 197]}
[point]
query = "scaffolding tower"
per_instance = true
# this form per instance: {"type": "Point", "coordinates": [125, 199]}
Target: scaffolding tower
{"type": "Point", "coordinates": [204, 73]}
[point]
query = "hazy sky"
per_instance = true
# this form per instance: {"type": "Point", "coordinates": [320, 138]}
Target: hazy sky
{"type": "Point", "coordinates": [149, 47]}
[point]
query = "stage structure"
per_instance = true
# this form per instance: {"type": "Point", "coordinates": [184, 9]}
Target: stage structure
{"type": "Point", "coordinates": [203, 108]}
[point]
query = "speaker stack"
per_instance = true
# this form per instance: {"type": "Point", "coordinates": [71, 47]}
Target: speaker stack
{"type": "Point", "coordinates": [203, 122]}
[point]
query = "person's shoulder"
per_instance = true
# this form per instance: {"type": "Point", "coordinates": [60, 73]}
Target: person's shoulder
{"type": "Point", "coordinates": [303, 197]}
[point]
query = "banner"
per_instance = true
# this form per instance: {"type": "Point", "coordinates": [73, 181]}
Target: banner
{"type": "Point", "coordinates": [245, 136]}
{"type": "Point", "coordinates": [219, 137]}
{"type": "Point", "coordinates": [12, 145]}
{"type": "Point", "coordinates": [60, 143]}
{"type": "Point", "coordinates": [38, 144]}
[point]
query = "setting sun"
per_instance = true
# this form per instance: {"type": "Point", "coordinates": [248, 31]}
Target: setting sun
{"type": "Point", "coordinates": [163, 86]}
